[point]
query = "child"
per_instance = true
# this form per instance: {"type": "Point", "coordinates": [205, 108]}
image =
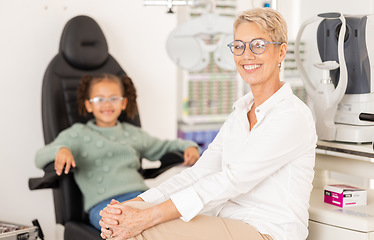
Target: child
{"type": "Point", "coordinates": [104, 151]}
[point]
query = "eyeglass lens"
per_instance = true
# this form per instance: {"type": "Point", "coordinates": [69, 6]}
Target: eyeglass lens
{"type": "Point", "coordinates": [257, 46]}
{"type": "Point", "coordinates": [102, 100]}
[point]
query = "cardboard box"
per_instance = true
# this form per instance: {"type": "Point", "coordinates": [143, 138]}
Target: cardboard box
{"type": "Point", "coordinates": [342, 195]}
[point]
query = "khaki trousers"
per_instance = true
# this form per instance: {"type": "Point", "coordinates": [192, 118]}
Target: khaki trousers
{"type": "Point", "coordinates": [201, 227]}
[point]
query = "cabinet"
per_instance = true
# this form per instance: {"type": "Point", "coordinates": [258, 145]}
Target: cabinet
{"type": "Point", "coordinates": [330, 222]}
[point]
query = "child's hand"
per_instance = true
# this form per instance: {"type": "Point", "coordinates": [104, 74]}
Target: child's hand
{"type": "Point", "coordinates": [64, 157]}
{"type": "Point", "coordinates": [191, 154]}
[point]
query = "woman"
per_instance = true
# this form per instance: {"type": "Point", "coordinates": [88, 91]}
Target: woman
{"type": "Point", "coordinates": [255, 179]}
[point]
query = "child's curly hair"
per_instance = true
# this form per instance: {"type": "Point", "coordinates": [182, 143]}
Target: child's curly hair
{"type": "Point", "coordinates": [127, 88]}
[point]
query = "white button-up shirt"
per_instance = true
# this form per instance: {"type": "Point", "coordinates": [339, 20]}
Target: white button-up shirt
{"type": "Point", "coordinates": [261, 176]}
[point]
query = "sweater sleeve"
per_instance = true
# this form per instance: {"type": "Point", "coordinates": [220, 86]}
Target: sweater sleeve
{"type": "Point", "coordinates": [153, 148]}
{"type": "Point", "coordinates": [48, 153]}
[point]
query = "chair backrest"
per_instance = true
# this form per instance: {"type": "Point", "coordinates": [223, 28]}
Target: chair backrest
{"type": "Point", "coordinates": [83, 50]}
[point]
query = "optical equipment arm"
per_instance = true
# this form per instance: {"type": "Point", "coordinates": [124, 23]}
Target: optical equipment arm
{"type": "Point", "coordinates": [309, 85]}
{"type": "Point", "coordinates": [170, 3]}
{"type": "Point", "coordinates": [324, 95]}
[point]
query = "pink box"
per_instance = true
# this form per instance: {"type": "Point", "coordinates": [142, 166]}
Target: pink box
{"type": "Point", "coordinates": [342, 195]}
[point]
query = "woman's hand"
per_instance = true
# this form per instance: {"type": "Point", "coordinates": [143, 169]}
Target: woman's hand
{"type": "Point", "coordinates": [136, 199]}
{"type": "Point", "coordinates": [120, 221]}
{"type": "Point", "coordinates": [64, 158]}
{"type": "Point", "coordinates": [191, 155]}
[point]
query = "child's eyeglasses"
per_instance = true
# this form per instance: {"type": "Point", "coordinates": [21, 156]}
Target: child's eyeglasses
{"type": "Point", "coordinates": [257, 46]}
{"type": "Point", "coordinates": [102, 100]}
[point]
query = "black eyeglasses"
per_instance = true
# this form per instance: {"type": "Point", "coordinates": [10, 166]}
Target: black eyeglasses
{"type": "Point", "coordinates": [257, 46]}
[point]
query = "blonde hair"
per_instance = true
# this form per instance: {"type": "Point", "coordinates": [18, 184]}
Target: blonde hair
{"type": "Point", "coordinates": [268, 20]}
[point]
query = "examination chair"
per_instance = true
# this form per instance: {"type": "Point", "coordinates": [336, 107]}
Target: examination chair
{"type": "Point", "coordinates": [83, 50]}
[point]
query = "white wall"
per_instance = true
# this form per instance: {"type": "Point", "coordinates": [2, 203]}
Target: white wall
{"type": "Point", "coordinates": [30, 33]}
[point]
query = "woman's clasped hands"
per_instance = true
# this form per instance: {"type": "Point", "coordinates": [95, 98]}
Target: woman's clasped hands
{"type": "Point", "coordinates": [121, 222]}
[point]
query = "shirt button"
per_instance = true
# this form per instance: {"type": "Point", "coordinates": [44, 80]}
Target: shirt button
{"type": "Point", "coordinates": [257, 110]}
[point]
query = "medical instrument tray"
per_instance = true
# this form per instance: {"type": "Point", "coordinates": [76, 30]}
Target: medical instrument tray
{"type": "Point", "coordinates": [10, 231]}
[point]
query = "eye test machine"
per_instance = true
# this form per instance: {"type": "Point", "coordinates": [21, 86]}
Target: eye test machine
{"type": "Point", "coordinates": [342, 101]}
{"type": "Point", "coordinates": [343, 98]}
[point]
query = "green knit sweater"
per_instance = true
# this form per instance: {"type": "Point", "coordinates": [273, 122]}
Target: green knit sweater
{"type": "Point", "coordinates": [107, 159]}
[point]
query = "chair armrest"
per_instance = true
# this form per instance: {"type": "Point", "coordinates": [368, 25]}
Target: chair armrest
{"type": "Point", "coordinates": [168, 160]}
{"type": "Point", "coordinates": [49, 180]}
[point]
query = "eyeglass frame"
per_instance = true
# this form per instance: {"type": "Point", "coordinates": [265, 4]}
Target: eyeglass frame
{"type": "Point", "coordinates": [249, 42]}
{"type": "Point", "coordinates": [96, 100]}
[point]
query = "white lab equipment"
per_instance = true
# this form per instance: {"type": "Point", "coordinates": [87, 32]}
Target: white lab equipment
{"type": "Point", "coordinates": [325, 96]}
{"type": "Point", "coordinates": [170, 3]}
{"type": "Point", "coordinates": [187, 49]}
{"type": "Point", "coordinates": [342, 105]}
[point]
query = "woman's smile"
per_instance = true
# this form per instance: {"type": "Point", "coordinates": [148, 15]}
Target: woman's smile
{"type": "Point", "coordinates": [250, 67]}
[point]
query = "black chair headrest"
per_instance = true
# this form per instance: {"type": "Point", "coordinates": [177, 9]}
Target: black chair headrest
{"type": "Point", "coordinates": [83, 43]}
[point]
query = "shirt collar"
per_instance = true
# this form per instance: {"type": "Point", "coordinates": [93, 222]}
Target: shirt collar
{"type": "Point", "coordinates": [245, 102]}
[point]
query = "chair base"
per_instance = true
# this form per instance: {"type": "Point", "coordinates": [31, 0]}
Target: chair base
{"type": "Point", "coordinates": [80, 231]}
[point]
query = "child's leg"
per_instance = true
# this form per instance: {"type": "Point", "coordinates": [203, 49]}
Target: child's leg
{"type": "Point", "coordinates": [94, 216]}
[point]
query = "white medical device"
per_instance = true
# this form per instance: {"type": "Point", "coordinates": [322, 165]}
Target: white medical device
{"type": "Point", "coordinates": [343, 100]}
{"type": "Point", "coordinates": [190, 52]}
